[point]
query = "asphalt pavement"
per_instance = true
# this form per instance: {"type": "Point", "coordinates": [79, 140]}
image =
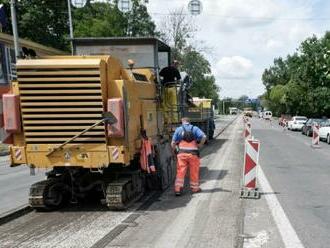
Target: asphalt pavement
{"type": "Point", "coordinates": [212, 218]}
{"type": "Point", "coordinates": [15, 184]}
{"type": "Point", "coordinates": [299, 176]}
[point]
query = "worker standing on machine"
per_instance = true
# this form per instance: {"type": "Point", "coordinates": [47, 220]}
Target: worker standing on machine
{"type": "Point", "coordinates": [186, 141]}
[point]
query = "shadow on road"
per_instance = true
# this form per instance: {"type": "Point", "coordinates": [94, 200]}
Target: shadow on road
{"type": "Point", "coordinates": [167, 199]}
{"type": "Point", "coordinates": [213, 146]}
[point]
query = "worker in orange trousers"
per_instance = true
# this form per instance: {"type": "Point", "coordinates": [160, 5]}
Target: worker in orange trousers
{"type": "Point", "coordinates": [186, 141]}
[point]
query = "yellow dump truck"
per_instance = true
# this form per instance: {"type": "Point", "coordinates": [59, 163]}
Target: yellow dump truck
{"type": "Point", "coordinates": [87, 118]}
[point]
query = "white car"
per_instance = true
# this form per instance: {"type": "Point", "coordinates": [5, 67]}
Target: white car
{"type": "Point", "coordinates": [325, 131]}
{"type": "Point", "coordinates": [267, 115]}
{"type": "Point", "coordinates": [297, 122]}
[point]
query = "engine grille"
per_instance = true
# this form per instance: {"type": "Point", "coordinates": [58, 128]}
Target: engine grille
{"type": "Point", "coordinates": [58, 103]}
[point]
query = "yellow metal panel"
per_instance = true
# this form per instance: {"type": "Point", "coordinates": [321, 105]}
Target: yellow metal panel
{"type": "Point", "coordinates": [71, 146]}
{"type": "Point", "coordinates": [59, 91]}
{"type": "Point", "coordinates": [52, 116]}
{"type": "Point", "coordinates": [37, 97]}
{"type": "Point", "coordinates": [84, 155]}
{"type": "Point", "coordinates": [58, 63]}
{"type": "Point", "coordinates": [149, 113]}
{"type": "Point", "coordinates": [55, 73]}
{"type": "Point", "coordinates": [18, 155]}
{"type": "Point", "coordinates": [118, 155]}
{"type": "Point", "coordinates": [67, 85]}
{"type": "Point", "coordinates": [57, 79]}
{"type": "Point", "coordinates": [63, 110]}
{"type": "Point", "coordinates": [61, 140]}
{"type": "Point", "coordinates": [70, 134]}
{"type": "Point", "coordinates": [41, 104]}
{"type": "Point", "coordinates": [80, 127]}
{"type": "Point", "coordinates": [58, 121]}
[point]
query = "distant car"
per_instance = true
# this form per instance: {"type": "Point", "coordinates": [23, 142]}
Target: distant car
{"type": "Point", "coordinates": [260, 114]}
{"type": "Point", "coordinates": [307, 129]}
{"type": "Point", "coordinates": [325, 131]}
{"type": "Point", "coordinates": [297, 123]}
{"type": "Point", "coordinates": [267, 115]}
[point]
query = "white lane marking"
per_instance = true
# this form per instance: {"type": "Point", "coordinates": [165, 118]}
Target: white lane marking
{"type": "Point", "coordinates": [288, 234]}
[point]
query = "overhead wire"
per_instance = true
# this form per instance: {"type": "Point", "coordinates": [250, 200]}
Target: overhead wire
{"type": "Point", "coordinates": [249, 17]}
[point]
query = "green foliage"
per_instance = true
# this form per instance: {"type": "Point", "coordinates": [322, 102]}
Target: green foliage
{"type": "Point", "coordinates": [197, 66]}
{"type": "Point", "coordinates": [300, 84]}
{"type": "Point", "coordinates": [46, 21]}
{"type": "Point", "coordinates": [177, 29]}
{"type": "Point", "coordinates": [99, 20]}
{"type": "Point", "coordinates": [140, 22]}
{"type": "Point", "coordinates": [42, 21]}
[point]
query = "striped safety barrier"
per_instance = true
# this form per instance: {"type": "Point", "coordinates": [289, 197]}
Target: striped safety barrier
{"type": "Point", "coordinates": [247, 130]}
{"type": "Point", "coordinates": [251, 163]}
{"type": "Point", "coordinates": [316, 136]}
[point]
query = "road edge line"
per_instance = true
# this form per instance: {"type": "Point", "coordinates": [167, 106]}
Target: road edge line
{"type": "Point", "coordinates": [287, 232]}
{"type": "Point", "coordinates": [14, 214]}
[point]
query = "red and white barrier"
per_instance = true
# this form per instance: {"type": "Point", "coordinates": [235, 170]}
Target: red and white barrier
{"type": "Point", "coordinates": [247, 130]}
{"type": "Point", "coordinates": [316, 136]}
{"type": "Point", "coordinates": [251, 162]}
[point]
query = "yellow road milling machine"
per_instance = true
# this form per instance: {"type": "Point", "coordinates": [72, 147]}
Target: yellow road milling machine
{"type": "Point", "coordinates": [97, 127]}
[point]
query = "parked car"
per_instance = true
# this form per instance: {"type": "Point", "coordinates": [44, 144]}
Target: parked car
{"type": "Point", "coordinates": [297, 122]}
{"type": "Point", "coordinates": [267, 115]}
{"type": "Point", "coordinates": [307, 129]}
{"type": "Point", "coordinates": [325, 131]}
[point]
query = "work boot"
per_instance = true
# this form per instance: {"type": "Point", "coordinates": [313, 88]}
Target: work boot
{"type": "Point", "coordinates": [178, 193]}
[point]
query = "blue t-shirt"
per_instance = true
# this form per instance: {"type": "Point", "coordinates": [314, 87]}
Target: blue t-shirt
{"type": "Point", "coordinates": [198, 134]}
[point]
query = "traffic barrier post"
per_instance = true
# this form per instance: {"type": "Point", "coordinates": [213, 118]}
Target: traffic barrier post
{"type": "Point", "coordinates": [251, 162]}
{"type": "Point", "coordinates": [247, 130]}
{"type": "Point", "coordinates": [316, 136]}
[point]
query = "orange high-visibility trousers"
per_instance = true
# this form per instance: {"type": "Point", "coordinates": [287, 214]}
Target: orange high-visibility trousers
{"type": "Point", "coordinates": [186, 160]}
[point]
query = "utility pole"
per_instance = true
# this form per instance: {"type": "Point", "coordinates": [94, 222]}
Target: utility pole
{"type": "Point", "coordinates": [70, 25]}
{"type": "Point", "coordinates": [14, 26]}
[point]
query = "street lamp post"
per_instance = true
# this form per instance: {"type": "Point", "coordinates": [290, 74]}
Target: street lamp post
{"type": "Point", "coordinates": [76, 4]}
{"type": "Point", "coordinates": [70, 25]}
{"type": "Point", "coordinates": [14, 25]}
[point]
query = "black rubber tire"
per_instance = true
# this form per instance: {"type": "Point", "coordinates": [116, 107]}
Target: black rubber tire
{"type": "Point", "coordinates": [328, 139]}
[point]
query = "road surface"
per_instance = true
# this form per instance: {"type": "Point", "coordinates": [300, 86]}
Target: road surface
{"type": "Point", "coordinates": [14, 185]}
{"type": "Point", "coordinates": [299, 176]}
{"type": "Point", "coordinates": [207, 219]}
{"type": "Point", "coordinates": [293, 211]}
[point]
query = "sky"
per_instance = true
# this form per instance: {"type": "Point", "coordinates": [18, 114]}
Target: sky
{"type": "Point", "coordinates": [244, 36]}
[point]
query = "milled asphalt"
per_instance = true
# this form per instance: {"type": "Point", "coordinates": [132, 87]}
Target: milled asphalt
{"type": "Point", "coordinates": [300, 177]}
{"type": "Point", "coordinates": [212, 218]}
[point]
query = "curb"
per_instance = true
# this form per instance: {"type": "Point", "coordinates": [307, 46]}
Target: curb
{"type": "Point", "coordinates": [15, 213]}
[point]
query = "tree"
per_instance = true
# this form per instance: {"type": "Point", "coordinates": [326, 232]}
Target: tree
{"type": "Point", "coordinates": [177, 30]}
{"type": "Point", "coordinates": [300, 84]}
{"type": "Point", "coordinates": [139, 21]}
{"type": "Point", "coordinates": [46, 21]}
{"type": "Point", "coordinates": [99, 20]}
